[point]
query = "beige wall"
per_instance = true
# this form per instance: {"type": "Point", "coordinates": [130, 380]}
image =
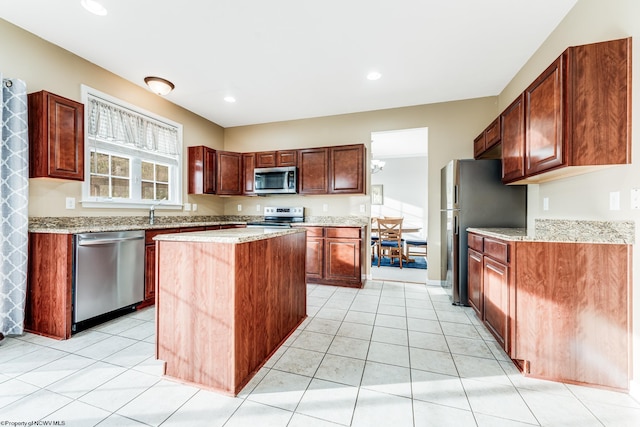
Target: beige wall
{"type": "Point", "coordinates": [43, 65]}
{"type": "Point", "coordinates": [587, 196]}
{"type": "Point", "coordinates": [452, 127]}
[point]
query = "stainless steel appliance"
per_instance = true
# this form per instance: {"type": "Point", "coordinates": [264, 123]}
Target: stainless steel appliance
{"type": "Point", "coordinates": [275, 216]}
{"type": "Point", "coordinates": [472, 195]}
{"type": "Point", "coordinates": [109, 273]}
{"type": "Point", "coordinates": [280, 180]}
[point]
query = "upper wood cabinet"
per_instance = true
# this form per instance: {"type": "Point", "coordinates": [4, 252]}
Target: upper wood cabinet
{"type": "Point", "coordinates": [248, 165]}
{"type": "Point", "coordinates": [56, 137]}
{"type": "Point", "coordinates": [512, 119]}
{"type": "Point", "coordinates": [269, 159]}
{"type": "Point", "coordinates": [576, 115]}
{"type": "Point", "coordinates": [485, 146]}
{"type": "Point", "coordinates": [229, 173]}
{"type": "Point", "coordinates": [202, 170]}
{"type": "Point", "coordinates": [332, 170]}
{"type": "Point", "coordinates": [313, 171]}
{"type": "Point", "coordinates": [346, 169]}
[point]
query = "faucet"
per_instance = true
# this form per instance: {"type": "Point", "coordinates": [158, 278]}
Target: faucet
{"type": "Point", "coordinates": [152, 211]}
{"type": "Point", "coordinates": [152, 215]}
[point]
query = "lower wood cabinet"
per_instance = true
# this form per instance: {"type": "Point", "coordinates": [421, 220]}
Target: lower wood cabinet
{"type": "Point", "coordinates": [560, 310]}
{"type": "Point", "coordinates": [489, 285]}
{"type": "Point", "coordinates": [333, 256]}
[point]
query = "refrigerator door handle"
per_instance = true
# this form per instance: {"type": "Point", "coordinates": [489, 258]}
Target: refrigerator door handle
{"type": "Point", "coordinates": [456, 231]}
{"type": "Point", "coordinates": [455, 194]}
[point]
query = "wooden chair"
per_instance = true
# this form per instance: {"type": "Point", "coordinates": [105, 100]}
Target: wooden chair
{"type": "Point", "coordinates": [390, 243]}
{"type": "Point", "coordinates": [415, 247]}
{"type": "Point", "coordinates": [374, 236]}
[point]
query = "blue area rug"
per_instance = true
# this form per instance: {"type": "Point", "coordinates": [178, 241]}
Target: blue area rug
{"type": "Point", "coordinates": [419, 263]}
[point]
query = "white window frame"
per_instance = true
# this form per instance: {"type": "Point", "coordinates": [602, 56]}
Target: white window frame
{"type": "Point", "coordinates": [137, 155]}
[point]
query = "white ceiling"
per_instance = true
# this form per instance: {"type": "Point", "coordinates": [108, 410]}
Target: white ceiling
{"type": "Point", "coordinates": [291, 59]}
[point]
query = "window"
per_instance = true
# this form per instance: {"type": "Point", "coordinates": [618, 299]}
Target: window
{"type": "Point", "coordinates": [133, 157]}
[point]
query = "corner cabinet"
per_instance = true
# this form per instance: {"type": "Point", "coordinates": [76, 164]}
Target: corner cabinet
{"type": "Point", "coordinates": [56, 137]}
{"type": "Point", "coordinates": [576, 116]}
{"type": "Point", "coordinates": [333, 256]}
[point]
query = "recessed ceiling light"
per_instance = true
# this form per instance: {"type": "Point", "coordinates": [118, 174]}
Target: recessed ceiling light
{"type": "Point", "coordinates": [230, 99]}
{"type": "Point", "coordinates": [374, 75]}
{"type": "Point", "coordinates": [94, 7]}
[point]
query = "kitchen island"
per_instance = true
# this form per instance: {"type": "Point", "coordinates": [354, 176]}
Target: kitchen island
{"type": "Point", "coordinates": [225, 301]}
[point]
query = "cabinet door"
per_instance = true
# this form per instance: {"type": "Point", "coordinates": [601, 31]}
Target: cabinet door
{"type": "Point", "coordinates": [266, 159]}
{"type": "Point", "coordinates": [202, 170]}
{"type": "Point", "coordinates": [287, 158]}
{"type": "Point", "coordinates": [474, 281]}
{"type": "Point", "coordinates": [496, 300]}
{"type": "Point", "coordinates": [150, 273]}
{"type": "Point", "coordinates": [492, 134]}
{"type": "Point", "coordinates": [313, 171]}
{"type": "Point", "coordinates": [315, 257]}
{"type": "Point", "coordinates": [478, 145]}
{"type": "Point", "coordinates": [513, 132]}
{"type": "Point", "coordinates": [248, 165]}
{"type": "Point", "coordinates": [342, 259]}
{"type": "Point", "coordinates": [229, 176]}
{"type": "Point", "coordinates": [56, 137]}
{"type": "Point", "coordinates": [346, 169]}
{"type": "Point", "coordinates": [544, 112]}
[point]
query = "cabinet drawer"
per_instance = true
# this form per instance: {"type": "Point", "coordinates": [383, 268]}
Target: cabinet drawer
{"type": "Point", "coordinates": [475, 242]}
{"type": "Point", "coordinates": [189, 229]}
{"type": "Point", "coordinates": [343, 232]}
{"type": "Point", "coordinates": [496, 249]}
{"type": "Point", "coordinates": [150, 234]}
{"type": "Point", "coordinates": [314, 231]}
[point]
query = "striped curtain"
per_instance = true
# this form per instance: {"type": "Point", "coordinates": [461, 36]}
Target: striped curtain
{"type": "Point", "coordinates": [14, 199]}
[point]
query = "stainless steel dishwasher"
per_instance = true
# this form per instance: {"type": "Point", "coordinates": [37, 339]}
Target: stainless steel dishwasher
{"type": "Point", "coordinates": [109, 273]}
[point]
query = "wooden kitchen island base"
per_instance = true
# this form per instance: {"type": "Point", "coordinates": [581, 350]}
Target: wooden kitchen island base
{"type": "Point", "coordinates": [225, 301]}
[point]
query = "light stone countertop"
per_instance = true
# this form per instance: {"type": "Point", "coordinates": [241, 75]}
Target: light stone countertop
{"type": "Point", "coordinates": [563, 230]}
{"type": "Point", "coordinates": [75, 225]}
{"type": "Point", "coordinates": [230, 235]}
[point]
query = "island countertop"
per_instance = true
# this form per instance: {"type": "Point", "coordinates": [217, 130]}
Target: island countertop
{"type": "Point", "coordinates": [231, 235]}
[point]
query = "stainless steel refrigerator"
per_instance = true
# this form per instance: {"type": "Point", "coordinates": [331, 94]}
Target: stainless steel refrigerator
{"type": "Point", "coordinates": [473, 195]}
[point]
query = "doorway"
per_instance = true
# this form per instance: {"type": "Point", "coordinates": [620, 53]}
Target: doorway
{"type": "Point", "coordinates": [399, 188]}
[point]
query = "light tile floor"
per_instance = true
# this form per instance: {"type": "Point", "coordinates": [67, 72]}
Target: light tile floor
{"type": "Point", "coordinates": [391, 354]}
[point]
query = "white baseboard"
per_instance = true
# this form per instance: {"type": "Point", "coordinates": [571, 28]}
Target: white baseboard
{"type": "Point", "coordinates": [634, 389]}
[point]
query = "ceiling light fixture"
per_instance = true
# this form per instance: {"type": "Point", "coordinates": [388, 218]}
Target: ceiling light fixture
{"type": "Point", "coordinates": [374, 75]}
{"type": "Point", "coordinates": [94, 7]}
{"type": "Point", "coordinates": [230, 99]}
{"type": "Point", "coordinates": [159, 85]}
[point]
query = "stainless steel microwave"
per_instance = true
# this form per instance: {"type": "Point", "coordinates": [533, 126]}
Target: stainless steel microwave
{"type": "Point", "coordinates": [280, 180]}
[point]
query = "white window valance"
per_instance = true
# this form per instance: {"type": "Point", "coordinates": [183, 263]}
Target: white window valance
{"type": "Point", "coordinates": [119, 125]}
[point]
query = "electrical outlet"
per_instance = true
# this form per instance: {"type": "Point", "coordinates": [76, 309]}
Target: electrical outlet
{"type": "Point", "coordinates": [194, 207]}
{"type": "Point", "coordinates": [187, 207]}
{"type": "Point", "coordinates": [257, 208]}
{"type": "Point", "coordinates": [362, 208]}
{"type": "Point", "coordinates": [70, 203]}
{"type": "Point", "coordinates": [545, 204]}
{"type": "Point", "coordinates": [239, 208]}
{"type": "Point", "coordinates": [325, 207]}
